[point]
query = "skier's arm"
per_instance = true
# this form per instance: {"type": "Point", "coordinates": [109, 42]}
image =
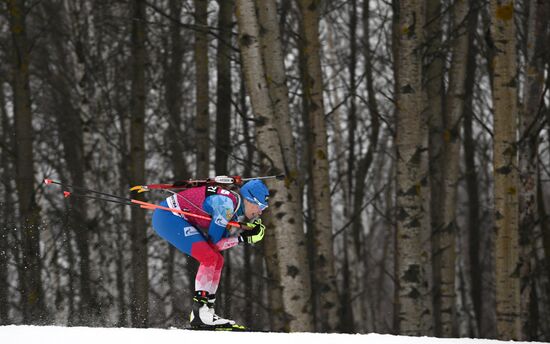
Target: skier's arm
{"type": "Point", "coordinates": [254, 234]}
{"type": "Point", "coordinates": [222, 210]}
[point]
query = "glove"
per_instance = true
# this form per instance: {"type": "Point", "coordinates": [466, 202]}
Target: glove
{"type": "Point", "coordinates": [254, 234]}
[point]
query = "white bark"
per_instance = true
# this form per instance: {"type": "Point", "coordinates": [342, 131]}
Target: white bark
{"type": "Point", "coordinates": [294, 269]}
{"type": "Point", "coordinates": [505, 163]}
{"type": "Point", "coordinates": [413, 306]}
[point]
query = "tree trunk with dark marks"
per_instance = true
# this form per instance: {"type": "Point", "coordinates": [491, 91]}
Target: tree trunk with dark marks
{"type": "Point", "coordinates": [413, 304]}
{"type": "Point", "coordinates": [290, 240]}
{"type": "Point", "coordinates": [505, 163]}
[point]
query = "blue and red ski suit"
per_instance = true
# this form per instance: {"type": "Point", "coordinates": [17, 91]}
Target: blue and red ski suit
{"type": "Point", "coordinates": [198, 238]}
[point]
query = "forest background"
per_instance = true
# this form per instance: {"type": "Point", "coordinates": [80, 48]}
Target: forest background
{"type": "Point", "coordinates": [414, 136]}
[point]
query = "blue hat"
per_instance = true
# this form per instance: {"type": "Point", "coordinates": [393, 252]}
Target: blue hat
{"type": "Point", "coordinates": [256, 192]}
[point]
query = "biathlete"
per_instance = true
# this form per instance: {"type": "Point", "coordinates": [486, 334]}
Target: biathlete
{"type": "Point", "coordinates": [204, 239]}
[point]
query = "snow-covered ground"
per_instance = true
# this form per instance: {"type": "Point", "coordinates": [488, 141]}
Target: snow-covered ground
{"type": "Point", "coordinates": [89, 335]}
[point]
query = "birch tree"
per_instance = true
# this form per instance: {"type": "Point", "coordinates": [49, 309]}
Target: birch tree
{"type": "Point", "coordinates": [505, 164]}
{"type": "Point", "coordinates": [413, 309]}
{"type": "Point", "coordinates": [272, 56]}
{"type": "Point", "coordinates": [290, 240]}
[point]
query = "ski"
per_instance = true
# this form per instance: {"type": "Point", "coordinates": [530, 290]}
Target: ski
{"type": "Point", "coordinates": [233, 328]}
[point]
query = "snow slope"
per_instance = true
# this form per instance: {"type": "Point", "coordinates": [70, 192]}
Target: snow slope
{"type": "Point", "coordinates": [88, 335]}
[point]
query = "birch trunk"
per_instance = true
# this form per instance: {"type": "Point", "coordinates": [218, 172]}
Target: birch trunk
{"type": "Point", "coordinates": [202, 121]}
{"type": "Point", "coordinates": [272, 53]}
{"type": "Point", "coordinates": [505, 170]}
{"type": "Point", "coordinates": [140, 277]}
{"type": "Point", "coordinates": [322, 218]}
{"type": "Point", "coordinates": [32, 292]}
{"type": "Point", "coordinates": [290, 240]}
{"type": "Point", "coordinates": [528, 162]}
{"type": "Point", "coordinates": [277, 317]}
{"type": "Point", "coordinates": [413, 308]}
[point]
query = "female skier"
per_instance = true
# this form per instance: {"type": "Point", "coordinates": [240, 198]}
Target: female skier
{"type": "Point", "coordinates": [204, 239]}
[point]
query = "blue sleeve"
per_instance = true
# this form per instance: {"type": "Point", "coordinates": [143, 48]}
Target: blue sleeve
{"type": "Point", "coordinates": [221, 209]}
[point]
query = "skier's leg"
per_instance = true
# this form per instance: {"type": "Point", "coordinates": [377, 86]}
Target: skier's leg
{"type": "Point", "coordinates": [208, 276]}
{"type": "Point", "coordinates": [208, 279]}
{"type": "Point", "coordinates": [217, 270]}
{"type": "Point", "coordinates": [186, 238]}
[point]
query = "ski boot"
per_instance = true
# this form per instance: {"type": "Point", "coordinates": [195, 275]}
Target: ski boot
{"type": "Point", "coordinates": [203, 316]}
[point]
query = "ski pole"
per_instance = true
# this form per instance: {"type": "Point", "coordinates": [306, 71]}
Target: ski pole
{"type": "Point", "coordinates": [129, 201]}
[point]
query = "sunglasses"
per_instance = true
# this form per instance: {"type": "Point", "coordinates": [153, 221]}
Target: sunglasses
{"type": "Point", "coordinates": [260, 204]}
